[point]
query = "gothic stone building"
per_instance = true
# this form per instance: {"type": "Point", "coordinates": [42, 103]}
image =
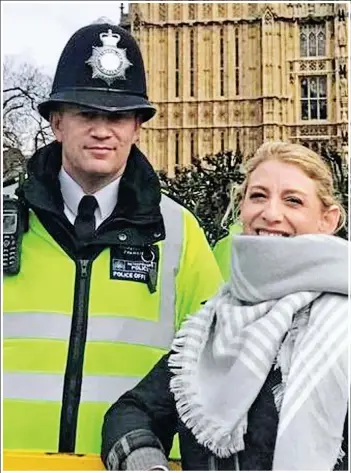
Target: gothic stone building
{"type": "Point", "coordinates": [226, 75]}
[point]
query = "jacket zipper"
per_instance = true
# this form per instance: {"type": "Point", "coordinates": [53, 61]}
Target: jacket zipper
{"type": "Point", "coordinates": [75, 359]}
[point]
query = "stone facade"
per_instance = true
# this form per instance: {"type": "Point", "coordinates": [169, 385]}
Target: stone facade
{"type": "Point", "coordinates": [231, 75]}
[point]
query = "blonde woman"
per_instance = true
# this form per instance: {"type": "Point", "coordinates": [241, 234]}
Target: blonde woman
{"type": "Point", "coordinates": [258, 378]}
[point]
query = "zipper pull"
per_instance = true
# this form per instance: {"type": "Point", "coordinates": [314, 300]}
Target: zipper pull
{"type": "Point", "coordinates": [83, 267]}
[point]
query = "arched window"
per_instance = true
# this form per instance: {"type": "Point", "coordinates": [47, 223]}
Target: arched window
{"type": "Point", "coordinates": [303, 45]}
{"type": "Point", "coordinates": [321, 44]}
{"type": "Point", "coordinates": [312, 45]}
{"type": "Point", "coordinates": [312, 39]}
{"type": "Point", "coordinates": [314, 98]}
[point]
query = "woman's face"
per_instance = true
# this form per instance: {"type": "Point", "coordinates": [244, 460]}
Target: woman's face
{"type": "Point", "coordinates": [282, 200]}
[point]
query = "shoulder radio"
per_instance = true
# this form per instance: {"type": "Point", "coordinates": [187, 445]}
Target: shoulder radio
{"type": "Point", "coordinates": [14, 225]}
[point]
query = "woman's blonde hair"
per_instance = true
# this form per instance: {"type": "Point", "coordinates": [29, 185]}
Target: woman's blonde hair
{"type": "Point", "coordinates": [307, 160]}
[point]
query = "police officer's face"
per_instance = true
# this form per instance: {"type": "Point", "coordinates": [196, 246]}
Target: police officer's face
{"type": "Point", "coordinates": [94, 144]}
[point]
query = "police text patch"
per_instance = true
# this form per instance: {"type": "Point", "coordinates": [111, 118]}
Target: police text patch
{"type": "Point", "coordinates": [139, 264]}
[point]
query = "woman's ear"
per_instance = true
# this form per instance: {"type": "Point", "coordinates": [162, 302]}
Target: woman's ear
{"type": "Point", "coordinates": [330, 220]}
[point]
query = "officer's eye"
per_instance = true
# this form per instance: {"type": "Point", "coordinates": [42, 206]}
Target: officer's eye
{"type": "Point", "coordinates": [118, 117]}
{"type": "Point", "coordinates": [88, 115]}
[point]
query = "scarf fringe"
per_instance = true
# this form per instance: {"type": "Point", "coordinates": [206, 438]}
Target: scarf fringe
{"type": "Point", "coordinates": [341, 455]}
{"type": "Point", "coordinates": [188, 345]}
{"type": "Point", "coordinates": [222, 441]}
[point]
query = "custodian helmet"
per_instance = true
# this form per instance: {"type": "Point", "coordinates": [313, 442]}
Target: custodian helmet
{"type": "Point", "coordinates": [101, 68]}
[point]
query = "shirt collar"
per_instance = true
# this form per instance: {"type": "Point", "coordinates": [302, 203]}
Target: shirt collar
{"type": "Point", "coordinates": [72, 194]}
{"type": "Point", "coordinates": [107, 198]}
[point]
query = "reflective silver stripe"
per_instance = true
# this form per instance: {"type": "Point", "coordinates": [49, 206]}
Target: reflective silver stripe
{"type": "Point", "coordinates": [36, 325]}
{"type": "Point", "coordinates": [49, 387]}
{"type": "Point", "coordinates": [120, 327]}
{"type": "Point", "coordinates": [100, 328]}
{"type": "Point", "coordinates": [174, 220]}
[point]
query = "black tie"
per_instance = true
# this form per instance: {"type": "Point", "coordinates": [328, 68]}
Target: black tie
{"type": "Point", "coordinates": [84, 224]}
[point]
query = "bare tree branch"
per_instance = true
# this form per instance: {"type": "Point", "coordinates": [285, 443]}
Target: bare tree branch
{"type": "Point", "coordinates": [25, 86]}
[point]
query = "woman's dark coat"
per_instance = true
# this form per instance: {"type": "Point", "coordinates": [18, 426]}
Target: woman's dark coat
{"type": "Point", "coordinates": [150, 406]}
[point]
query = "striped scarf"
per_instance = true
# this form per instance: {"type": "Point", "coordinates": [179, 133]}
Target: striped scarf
{"type": "Point", "coordinates": [294, 315]}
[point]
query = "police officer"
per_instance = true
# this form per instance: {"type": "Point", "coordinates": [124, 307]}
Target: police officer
{"type": "Point", "coordinates": [109, 265]}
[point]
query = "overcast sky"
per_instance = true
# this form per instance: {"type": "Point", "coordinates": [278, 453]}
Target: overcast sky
{"type": "Point", "coordinates": [38, 31]}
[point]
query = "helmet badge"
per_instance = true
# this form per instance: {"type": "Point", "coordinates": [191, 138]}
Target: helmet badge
{"type": "Point", "coordinates": [109, 62]}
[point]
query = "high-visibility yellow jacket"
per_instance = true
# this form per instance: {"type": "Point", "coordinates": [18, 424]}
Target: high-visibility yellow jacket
{"type": "Point", "coordinates": [223, 251]}
{"type": "Point", "coordinates": [75, 339]}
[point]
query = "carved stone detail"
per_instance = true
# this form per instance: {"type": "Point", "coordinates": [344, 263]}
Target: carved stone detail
{"type": "Point", "coordinates": [177, 7]}
{"type": "Point", "coordinates": [207, 135]}
{"type": "Point", "coordinates": [222, 112]}
{"type": "Point", "coordinates": [252, 9]}
{"type": "Point", "coordinates": [311, 8]}
{"type": "Point", "coordinates": [236, 10]}
{"type": "Point", "coordinates": [312, 65]}
{"type": "Point", "coordinates": [162, 11]}
{"type": "Point", "coordinates": [192, 11]}
{"type": "Point", "coordinates": [317, 130]}
{"type": "Point", "coordinates": [192, 113]}
{"type": "Point", "coordinates": [207, 10]}
{"type": "Point", "coordinates": [207, 114]}
{"type": "Point", "coordinates": [343, 87]}
{"type": "Point", "coordinates": [221, 9]}
{"type": "Point", "coordinates": [136, 22]}
{"type": "Point", "coordinates": [268, 17]}
{"type": "Point", "coordinates": [342, 34]}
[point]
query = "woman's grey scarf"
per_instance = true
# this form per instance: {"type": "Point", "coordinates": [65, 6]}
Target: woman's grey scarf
{"type": "Point", "coordinates": [225, 351]}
